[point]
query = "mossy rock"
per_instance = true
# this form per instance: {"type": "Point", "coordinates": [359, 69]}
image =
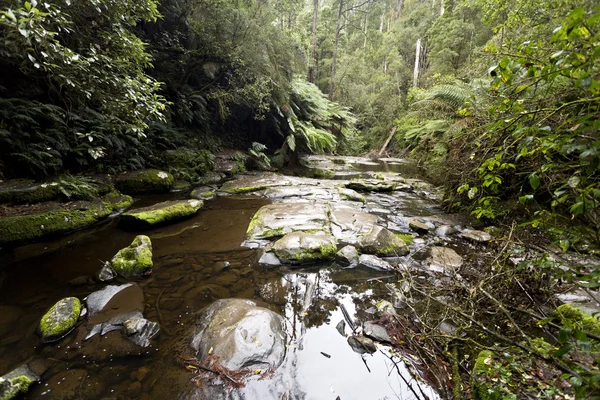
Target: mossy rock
{"type": "Point", "coordinates": [181, 186]}
{"type": "Point", "coordinates": [161, 213]}
{"type": "Point", "coordinates": [60, 319]}
{"type": "Point", "coordinates": [16, 381]}
{"type": "Point", "coordinates": [28, 192]}
{"type": "Point", "coordinates": [134, 260]}
{"type": "Point", "coordinates": [52, 220]}
{"type": "Point", "coordinates": [119, 201]}
{"type": "Point", "coordinates": [383, 243]}
{"type": "Point", "coordinates": [144, 182]}
{"type": "Point", "coordinates": [303, 248]}
{"type": "Point", "coordinates": [574, 318]}
{"type": "Point", "coordinates": [481, 369]}
{"type": "Point", "coordinates": [203, 193]}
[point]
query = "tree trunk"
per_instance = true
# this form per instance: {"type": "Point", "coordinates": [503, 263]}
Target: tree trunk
{"type": "Point", "coordinates": [335, 50]}
{"type": "Point", "coordinates": [366, 23]}
{"type": "Point", "coordinates": [313, 52]}
{"type": "Point", "coordinates": [417, 56]}
{"type": "Point", "coordinates": [381, 23]}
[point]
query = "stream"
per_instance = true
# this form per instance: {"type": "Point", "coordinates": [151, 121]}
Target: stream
{"type": "Point", "coordinates": [209, 257]}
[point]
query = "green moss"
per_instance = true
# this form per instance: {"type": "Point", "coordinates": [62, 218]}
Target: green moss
{"type": "Point", "coordinates": [143, 182]}
{"type": "Point", "coordinates": [256, 223]}
{"type": "Point", "coordinates": [28, 192]}
{"type": "Point", "coordinates": [483, 367]}
{"type": "Point", "coordinates": [162, 213]}
{"type": "Point", "coordinates": [136, 259]}
{"type": "Point", "coordinates": [406, 238]}
{"type": "Point", "coordinates": [202, 194]}
{"type": "Point", "coordinates": [51, 327]}
{"type": "Point", "coordinates": [542, 347]}
{"type": "Point", "coordinates": [62, 219]}
{"type": "Point", "coordinates": [271, 233]}
{"type": "Point", "coordinates": [574, 318]}
{"type": "Point", "coordinates": [244, 189]}
{"type": "Point", "coordinates": [339, 161]}
{"type": "Point", "coordinates": [322, 173]}
{"type": "Point", "coordinates": [10, 388]}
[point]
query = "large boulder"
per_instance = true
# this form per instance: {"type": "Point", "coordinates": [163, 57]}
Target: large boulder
{"type": "Point", "coordinates": [383, 243]}
{"type": "Point", "coordinates": [240, 334]}
{"type": "Point", "coordinates": [134, 260]}
{"type": "Point", "coordinates": [275, 220]}
{"type": "Point", "coordinates": [144, 182]}
{"type": "Point", "coordinates": [60, 319]}
{"type": "Point", "coordinates": [16, 381]}
{"type": "Point", "coordinates": [301, 247]}
{"type": "Point", "coordinates": [161, 213]}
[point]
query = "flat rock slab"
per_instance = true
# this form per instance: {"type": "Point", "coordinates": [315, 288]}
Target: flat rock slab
{"type": "Point", "coordinates": [303, 192]}
{"type": "Point", "coordinates": [254, 183]}
{"type": "Point", "coordinates": [374, 262]}
{"type": "Point", "coordinates": [302, 248]}
{"type": "Point", "coordinates": [444, 258]}
{"type": "Point", "coordinates": [161, 213]}
{"type": "Point", "coordinates": [348, 224]}
{"type": "Point", "coordinates": [240, 334]}
{"type": "Point", "coordinates": [476, 236]}
{"type": "Point", "coordinates": [275, 220]}
{"type": "Point", "coordinates": [372, 185]}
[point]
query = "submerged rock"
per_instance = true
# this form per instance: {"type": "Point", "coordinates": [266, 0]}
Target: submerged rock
{"type": "Point", "coordinates": [27, 192]}
{"type": "Point", "coordinates": [74, 384]}
{"type": "Point", "coordinates": [240, 334]}
{"type": "Point", "coordinates": [144, 182]}
{"type": "Point", "coordinates": [60, 319]}
{"type": "Point", "coordinates": [301, 247]}
{"type": "Point", "coordinates": [161, 213]}
{"type": "Point", "coordinates": [134, 260]}
{"type": "Point", "coordinates": [374, 262]}
{"type": "Point", "coordinates": [382, 242]}
{"type": "Point", "coordinates": [347, 256]}
{"type": "Point", "coordinates": [113, 301]}
{"type": "Point", "coordinates": [16, 381]}
{"type": "Point", "coordinates": [476, 236]}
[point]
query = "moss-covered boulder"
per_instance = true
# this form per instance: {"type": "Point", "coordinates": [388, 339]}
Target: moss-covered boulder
{"type": "Point", "coordinates": [574, 318]}
{"type": "Point", "coordinates": [16, 381]}
{"type": "Point", "coordinates": [60, 319]}
{"type": "Point", "coordinates": [53, 219]}
{"type": "Point", "coordinates": [144, 182]}
{"type": "Point", "coordinates": [134, 260]}
{"type": "Point", "coordinates": [161, 213]}
{"type": "Point", "coordinates": [27, 192]}
{"type": "Point", "coordinates": [383, 243]}
{"type": "Point", "coordinates": [203, 193]}
{"type": "Point", "coordinates": [302, 247]}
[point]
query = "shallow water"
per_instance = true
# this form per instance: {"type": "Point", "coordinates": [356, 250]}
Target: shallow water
{"type": "Point", "coordinates": [188, 275]}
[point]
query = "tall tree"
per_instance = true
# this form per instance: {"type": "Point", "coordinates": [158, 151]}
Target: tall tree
{"type": "Point", "coordinates": [313, 46]}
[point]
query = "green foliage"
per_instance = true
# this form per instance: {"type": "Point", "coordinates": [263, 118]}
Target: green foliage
{"type": "Point", "coordinates": [190, 165]}
{"type": "Point", "coordinates": [77, 187]}
{"type": "Point", "coordinates": [257, 158]}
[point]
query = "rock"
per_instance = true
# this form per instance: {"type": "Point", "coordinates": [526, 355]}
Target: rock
{"type": "Point", "coordinates": [52, 219]}
{"type": "Point", "coordinates": [114, 301]}
{"type": "Point", "coordinates": [268, 259]}
{"type": "Point", "coordinates": [444, 258]}
{"type": "Point", "coordinates": [341, 328]}
{"type": "Point", "coordinates": [349, 194]}
{"type": "Point", "coordinates": [301, 247]}
{"type": "Point", "coordinates": [253, 183]}
{"type": "Point", "coordinates": [382, 242]}
{"type": "Point", "coordinates": [134, 390]}
{"type": "Point", "coordinates": [74, 384]}
{"type": "Point", "coordinates": [203, 193]}
{"type": "Point", "coordinates": [347, 256]}
{"type": "Point", "coordinates": [348, 225]}
{"type": "Point", "coordinates": [376, 332]}
{"type": "Point", "coordinates": [275, 220]}
{"type": "Point", "coordinates": [16, 381]}
{"type": "Point", "coordinates": [361, 344]}
{"type": "Point", "coordinates": [241, 334]}
{"type": "Point", "coordinates": [134, 260]}
{"type": "Point", "coordinates": [419, 227]}
{"type": "Point", "coordinates": [371, 185]}
{"type": "Point", "coordinates": [141, 373]}
{"type": "Point", "coordinates": [212, 177]}
{"type": "Point", "coordinates": [384, 307]}
{"type": "Point", "coordinates": [140, 330]}
{"type": "Point", "coordinates": [180, 186]}
{"type": "Point", "coordinates": [27, 192]}
{"type": "Point", "coordinates": [161, 213]}
{"type": "Point", "coordinates": [144, 182]}
{"type": "Point", "coordinates": [476, 236]}
{"type": "Point", "coordinates": [106, 274]}
{"type": "Point", "coordinates": [374, 262]}
{"type": "Point", "coordinates": [60, 319]}
{"type": "Point", "coordinates": [445, 230]}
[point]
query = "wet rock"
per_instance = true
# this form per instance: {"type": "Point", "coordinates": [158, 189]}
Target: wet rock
{"type": "Point", "coordinates": [200, 295]}
{"type": "Point", "coordinates": [376, 332]}
{"type": "Point", "coordinates": [445, 230]}
{"type": "Point", "coordinates": [141, 374]}
{"type": "Point", "coordinates": [444, 258]}
{"type": "Point", "coordinates": [203, 193]}
{"type": "Point", "coordinates": [493, 230]}
{"type": "Point", "coordinates": [268, 259]}
{"type": "Point", "coordinates": [301, 247]}
{"type": "Point", "coordinates": [361, 344]}
{"type": "Point", "coordinates": [382, 242]}
{"type": "Point", "coordinates": [144, 182]}
{"type": "Point", "coordinates": [16, 381]}
{"type": "Point", "coordinates": [253, 183]}
{"type": "Point", "coordinates": [212, 178]}
{"type": "Point", "coordinates": [371, 185]}
{"type": "Point", "coordinates": [134, 390]}
{"type": "Point", "coordinates": [275, 220]}
{"type": "Point", "coordinates": [476, 236]}
{"type": "Point", "coordinates": [114, 301]}
{"type": "Point", "coordinates": [27, 192]}
{"type": "Point", "coordinates": [374, 262]}
{"type": "Point", "coordinates": [75, 384]}
{"type": "Point", "coordinates": [419, 227]}
{"type": "Point", "coordinates": [134, 260]}
{"type": "Point", "coordinates": [348, 225]}
{"type": "Point", "coordinates": [60, 319]}
{"type": "Point", "coordinates": [139, 330]}
{"type": "Point", "coordinates": [349, 194]}
{"type": "Point", "coordinates": [341, 328]}
{"type": "Point", "coordinates": [220, 266]}
{"type": "Point", "coordinates": [106, 274]}
{"type": "Point", "coordinates": [384, 307]}
{"type": "Point", "coordinates": [273, 292]}
{"type": "Point", "coordinates": [347, 256]}
{"type": "Point", "coordinates": [161, 213]}
{"type": "Point", "coordinates": [180, 186]}
{"type": "Point", "coordinates": [305, 192]}
{"type": "Point", "coordinates": [241, 334]}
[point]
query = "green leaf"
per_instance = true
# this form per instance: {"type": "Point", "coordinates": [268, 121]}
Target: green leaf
{"type": "Point", "coordinates": [563, 350]}
{"type": "Point", "coordinates": [564, 335]}
{"type": "Point", "coordinates": [534, 181]}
